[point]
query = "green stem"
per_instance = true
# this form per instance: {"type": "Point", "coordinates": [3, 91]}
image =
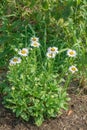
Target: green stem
{"type": "Point", "coordinates": [67, 82]}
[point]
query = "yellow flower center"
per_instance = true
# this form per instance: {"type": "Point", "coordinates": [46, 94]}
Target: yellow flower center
{"type": "Point", "coordinates": [52, 49]}
{"type": "Point", "coordinates": [35, 44]}
{"type": "Point", "coordinates": [23, 51]}
{"type": "Point", "coordinates": [15, 60]}
{"type": "Point", "coordinates": [73, 68]}
{"type": "Point", "coordinates": [34, 39]}
{"type": "Point", "coordinates": [71, 52]}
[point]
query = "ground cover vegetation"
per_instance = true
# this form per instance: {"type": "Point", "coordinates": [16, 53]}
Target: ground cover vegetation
{"type": "Point", "coordinates": [44, 45]}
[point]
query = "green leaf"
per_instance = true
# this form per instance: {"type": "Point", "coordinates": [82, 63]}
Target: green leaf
{"type": "Point", "coordinates": [24, 116]}
{"type": "Point", "coordinates": [18, 112]}
{"type": "Point", "coordinates": [39, 121]}
{"type": "Point", "coordinates": [78, 2]}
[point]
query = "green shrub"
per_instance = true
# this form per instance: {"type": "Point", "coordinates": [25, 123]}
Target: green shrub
{"type": "Point", "coordinates": [35, 89]}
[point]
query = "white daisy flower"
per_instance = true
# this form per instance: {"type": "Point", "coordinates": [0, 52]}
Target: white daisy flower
{"type": "Point", "coordinates": [34, 39]}
{"type": "Point", "coordinates": [71, 53]}
{"type": "Point", "coordinates": [73, 69]}
{"type": "Point", "coordinates": [23, 52]}
{"type": "Point", "coordinates": [15, 60]}
{"type": "Point", "coordinates": [35, 44]}
{"type": "Point", "coordinates": [53, 50]}
{"type": "Point", "coordinates": [50, 55]}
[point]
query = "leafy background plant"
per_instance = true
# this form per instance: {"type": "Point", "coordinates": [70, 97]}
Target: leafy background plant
{"type": "Point", "coordinates": [62, 23]}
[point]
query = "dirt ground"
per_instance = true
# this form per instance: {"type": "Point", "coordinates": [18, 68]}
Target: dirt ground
{"type": "Point", "coordinates": [73, 119]}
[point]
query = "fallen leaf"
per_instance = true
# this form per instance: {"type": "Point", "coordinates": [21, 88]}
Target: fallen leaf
{"type": "Point", "coordinates": [70, 112]}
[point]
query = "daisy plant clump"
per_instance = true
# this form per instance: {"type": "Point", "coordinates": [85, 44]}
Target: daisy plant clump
{"type": "Point", "coordinates": [72, 54]}
{"type": "Point", "coordinates": [35, 42]}
{"type": "Point", "coordinates": [51, 55]}
{"type": "Point", "coordinates": [52, 51]}
{"type": "Point", "coordinates": [33, 89]}
{"type": "Point", "coordinates": [71, 65]}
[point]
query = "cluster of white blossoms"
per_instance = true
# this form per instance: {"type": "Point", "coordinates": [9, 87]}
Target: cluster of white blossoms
{"type": "Point", "coordinates": [24, 51]}
{"type": "Point", "coordinates": [34, 42]}
{"type": "Point", "coordinates": [72, 53]}
{"type": "Point", "coordinates": [17, 60]}
{"type": "Point", "coordinates": [52, 51]}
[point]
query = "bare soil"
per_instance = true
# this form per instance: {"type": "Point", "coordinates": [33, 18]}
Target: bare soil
{"type": "Point", "coordinates": [73, 119]}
